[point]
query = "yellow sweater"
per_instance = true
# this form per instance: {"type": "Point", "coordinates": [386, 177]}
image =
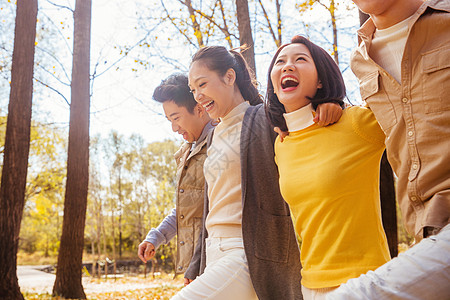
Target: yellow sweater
{"type": "Point", "coordinates": [329, 176]}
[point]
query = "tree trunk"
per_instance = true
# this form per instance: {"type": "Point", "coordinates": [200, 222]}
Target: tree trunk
{"type": "Point", "coordinates": [99, 234]}
{"type": "Point", "coordinates": [276, 37]}
{"type": "Point", "coordinates": [195, 25]}
{"type": "Point", "coordinates": [335, 32]}
{"type": "Point", "coordinates": [245, 33]}
{"type": "Point", "coordinates": [105, 245]}
{"type": "Point", "coordinates": [68, 274]}
{"type": "Point", "coordinates": [278, 6]}
{"type": "Point", "coordinates": [120, 212]}
{"type": "Point", "coordinates": [387, 191]}
{"type": "Point", "coordinates": [113, 229]}
{"type": "Point", "coordinates": [17, 146]}
{"type": "Point", "coordinates": [94, 261]}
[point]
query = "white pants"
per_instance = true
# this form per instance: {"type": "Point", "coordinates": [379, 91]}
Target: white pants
{"type": "Point", "coordinates": [226, 275]}
{"type": "Point", "coordinates": [421, 272]}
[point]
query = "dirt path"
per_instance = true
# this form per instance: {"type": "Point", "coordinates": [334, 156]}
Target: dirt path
{"type": "Point", "coordinates": [32, 280]}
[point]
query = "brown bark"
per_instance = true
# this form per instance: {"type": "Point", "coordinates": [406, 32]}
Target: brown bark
{"type": "Point", "coordinates": [68, 275]}
{"type": "Point", "coordinates": [113, 231]}
{"type": "Point", "coordinates": [195, 24]}
{"type": "Point", "coordinates": [94, 261]}
{"type": "Point", "coordinates": [17, 146]}
{"type": "Point", "coordinates": [245, 33]}
{"type": "Point", "coordinates": [335, 38]}
{"type": "Point", "coordinates": [278, 5]}
{"type": "Point", "coordinates": [120, 213]}
{"type": "Point", "coordinates": [99, 234]}
{"type": "Point", "coordinates": [332, 10]}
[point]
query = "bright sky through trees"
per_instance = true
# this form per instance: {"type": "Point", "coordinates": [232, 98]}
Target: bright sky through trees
{"type": "Point", "coordinates": [121, 94]}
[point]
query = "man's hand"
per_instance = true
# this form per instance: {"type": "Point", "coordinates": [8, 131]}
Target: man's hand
{"type": "Point", "coordinates": [187, 281]}
{"type": "Point", "coordinates": [146, 251]}
{"type": "Point", "coordinates": [281, 133]}
{"type": "Point", "coordinates": [327, 114]}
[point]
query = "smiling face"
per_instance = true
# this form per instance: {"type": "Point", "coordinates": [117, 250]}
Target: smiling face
{"type": "Point", "coordinates": [212, 91]}
{"type": "Point", "coordinates": [294, 77]}
{"type": "Point", "coordinates": [388, 12]}
{"type": "Point", "coordinates": [189, 125]}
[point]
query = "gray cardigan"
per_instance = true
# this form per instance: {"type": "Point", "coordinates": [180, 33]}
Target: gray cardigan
{"type": "Point", "coordinates": [269, 239]}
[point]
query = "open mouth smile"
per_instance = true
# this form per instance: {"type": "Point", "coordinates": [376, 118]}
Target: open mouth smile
{"type": "Point", "coordinates": [289, 83]}
{"type": "Point", "coordinates": [208, 105]}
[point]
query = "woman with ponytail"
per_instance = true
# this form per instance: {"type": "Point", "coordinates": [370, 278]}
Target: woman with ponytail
{"type": "Point", "coordinates": [248, 248]}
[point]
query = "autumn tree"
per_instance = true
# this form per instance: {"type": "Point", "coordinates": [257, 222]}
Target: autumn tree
{"type": "Point", "coordinates": [245, 33]}
{"type": "Point", "coordinates": [274, 33]}
{"type": "Point", "coordinates": [116, 153]}
{"type": "Point", "coordinates": [41, 222]}
{"type": "Point", "coordinates": [157, 169]}
{"type": "Point", "coordinates": [68, 275]}
{"type": "Point", "coordinates": [193, 24]}
{"type": "Point", "coordinates": [17, 143]}
{"type": "Point", "coordinates": [147, 180]}
{"type": "Point", "coordinates": [95, 209]}
{"type": "Point", "coordinates": [260, 24]}
{"type": "Point", "coordinates": [331, 7]}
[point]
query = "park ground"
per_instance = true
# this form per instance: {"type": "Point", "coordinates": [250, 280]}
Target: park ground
{"type": "Point", "coordinates": [36, 284]}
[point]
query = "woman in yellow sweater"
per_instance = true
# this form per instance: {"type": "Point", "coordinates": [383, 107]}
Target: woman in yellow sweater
{"type": "Point", "coordinates": [328, 175]}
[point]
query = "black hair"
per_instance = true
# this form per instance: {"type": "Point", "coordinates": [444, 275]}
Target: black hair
{"type": "Point", "coordinates": [175, 88]}
{"type": "Point", "coordinates": [332, 90]}
{"type": "Point", "coordinates": [220, 60]}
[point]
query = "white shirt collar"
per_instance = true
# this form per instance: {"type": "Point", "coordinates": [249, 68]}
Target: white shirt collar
{"type": "Point", "coordinates": [300, 118]}
{"type": "Point", "coordinates": [399, 28]}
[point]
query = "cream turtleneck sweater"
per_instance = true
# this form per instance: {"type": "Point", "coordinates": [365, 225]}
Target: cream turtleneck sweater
{"type": "Point", "coordinates": [222, 171]}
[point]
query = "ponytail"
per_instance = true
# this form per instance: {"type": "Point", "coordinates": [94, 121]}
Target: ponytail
{"type": "Point", "coordinates": [245, 79]}
{"type": "Point", "coordinates": [220, 60]}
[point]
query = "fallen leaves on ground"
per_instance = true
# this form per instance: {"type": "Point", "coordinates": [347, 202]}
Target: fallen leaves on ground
{"type": "Point", "coordinates": [123, 289]}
